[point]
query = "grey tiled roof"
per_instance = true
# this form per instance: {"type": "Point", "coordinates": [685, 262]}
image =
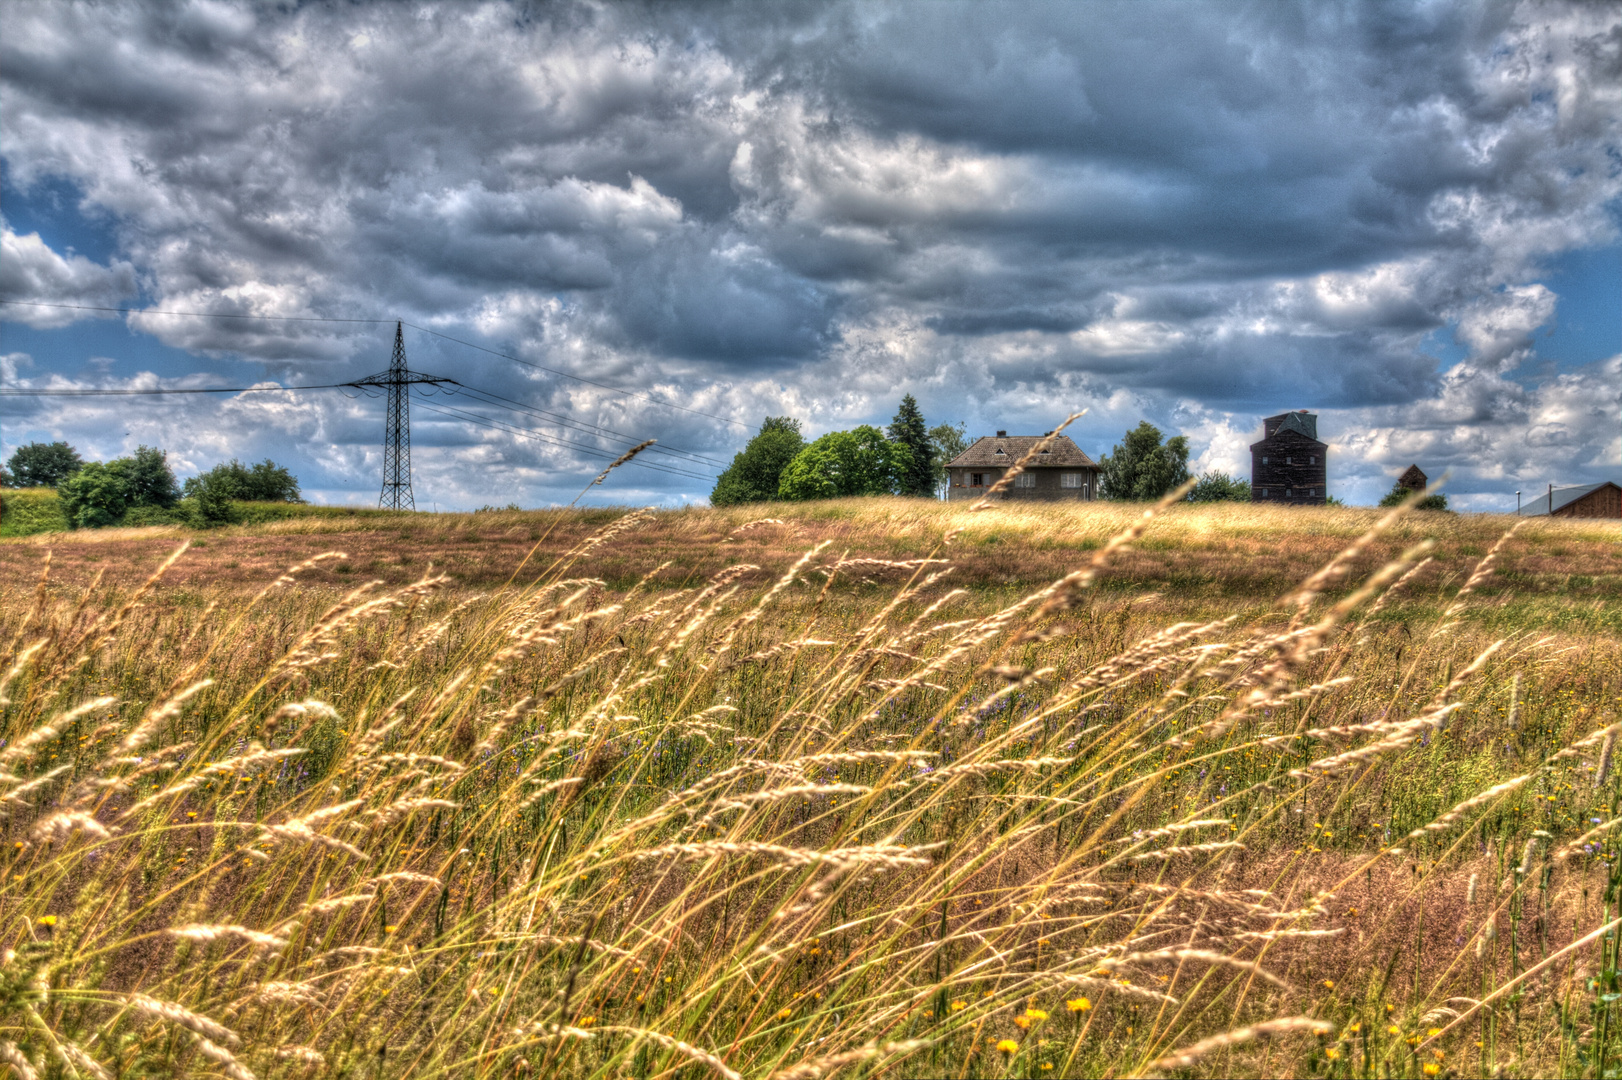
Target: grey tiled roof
{"type": "Point", "coordinates": [1061, 453]}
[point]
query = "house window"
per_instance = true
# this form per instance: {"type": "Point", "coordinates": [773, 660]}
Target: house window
{"type": "Point", "coordinates": [977, 479]}
{"type": "Point", "coordinates": [1264, 459]}
{"type": "Point", "coordinates": [1070, 480]}
{"type": "Point", "coordinates": [1026, 479]}
{"type": "Point", "coordinates": [998, 450]}
{"type": "Point", "coordinates": [1312, 459]}
{"type": "Point", "coordinates": [1289, 493]}
{"type": "Point", "coordinates": [1288, 460]}
{"type": "Point", "coordinates": [1264, 493]}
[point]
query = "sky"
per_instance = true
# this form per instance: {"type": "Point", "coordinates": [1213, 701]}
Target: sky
{"type": "Point", "coordinates": [611, 222]}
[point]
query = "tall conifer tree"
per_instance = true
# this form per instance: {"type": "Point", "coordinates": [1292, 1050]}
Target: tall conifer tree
{"type": "Point", "coordinates": [908, 429]}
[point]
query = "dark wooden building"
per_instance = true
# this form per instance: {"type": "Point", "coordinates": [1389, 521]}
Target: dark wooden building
{"type": "Point", "coordinates": [1289, 465]}
{"type": "Point", "coordinates": [1589, 501]}
{"type": "Point", "coordinates": [1061, 472]}
{"type": "Point", "coordinates": [1414, 479]}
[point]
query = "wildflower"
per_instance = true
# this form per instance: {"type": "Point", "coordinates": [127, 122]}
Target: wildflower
{"type": "Point", "coordinates": [1078, 1005]}
{"type": "Point", "coordinates": [1432, 1069]}
{"type": "Point", "coordinates": [1354, 1028]}
{"type": "Point", "coordinates": [1046, 1065]}
{"type": "Point", "coordinates": [1008, 1046]}
{"type": "Point", "coordinates": [1036, 1014]}
{"type": "Point", "coordinates": [47, 921]}
{"type": "Point", "coordinates": [1393, 1030]}
{"type": "Point", "coordinates": [1332, 1054]}
{"type": "Point", "coordinates": [390, 929]}
{"type": "Point", "coordinates": [192, 814]}
{"type": "Point", "coordinates": [958, 1005]}
{"type": "Point", "coordinates": [1433, 1032]}
{"type": "Point", "coordinates": [1438, 1055]}
{"type": "Point", "coordinates": [1329, 984]}
{"type": "Point", "coordinates": [783, 1014]}
{"type": "Point", "coordinates": [1023, 1023]}
{"type": "Point", "coordinates": [587, 1021]}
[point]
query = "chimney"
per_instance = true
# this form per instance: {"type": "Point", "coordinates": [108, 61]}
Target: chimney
{"type": "Point", "coordinates": [1002, 434]}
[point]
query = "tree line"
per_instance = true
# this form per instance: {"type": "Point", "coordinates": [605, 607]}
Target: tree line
{"type": "Point", "coordinates": [909, 458]}
{"type": "Point", "coordinates": [141, 489]}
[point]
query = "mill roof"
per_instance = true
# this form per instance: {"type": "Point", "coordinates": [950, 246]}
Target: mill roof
{"type": "Point", "coordinates": [1413, 478]}
{"type": "Point", "coordinates": [1000, 451]}
{"type": "Point", "coordinates": [1559, 497]}
{"type": "Point", "coordinates": [1304, 422]}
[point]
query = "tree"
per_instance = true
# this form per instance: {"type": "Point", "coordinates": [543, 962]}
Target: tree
{"type": "Point", "coordinates": [96, 495]}
{"type": "Point", "coordinates": [1429, 502]}
{"type": "Point", "coordinates": [43, 464]}
{"type": "Point", "coordinates": [1219, 487]}
{"type": "Point", "coordinates": [945, 443]}
{"type": "Point", "coordinates": [148, 479]}
{"type": "Point", "coordinates": [755, 473]}
{"type": "Point", "coordinates": [264, 482]}
{"type": "Point", "coordinates": [1141, 468]}
{"type": "Point", "coordinates": [842, 463]}
{"type": "Point", "coordinates": [213, 491]}
{"type": "Point", "coordinates": [908, 429]}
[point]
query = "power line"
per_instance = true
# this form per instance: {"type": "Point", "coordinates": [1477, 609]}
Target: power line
{"type": "Point", "coordinates": [577, 378]}
{"type": "Point", "coordinates": [189, 314]}
{"type": "Point", "coordinates": [596, 429]}
{"type": "Point", "coordinates": [25, 392]}
{"type": "Point", "coordinates": [531, 433]}
{"type": "Point", "coordinates": [414, 326]}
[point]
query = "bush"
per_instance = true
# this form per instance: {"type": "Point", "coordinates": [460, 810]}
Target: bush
{"type": "Point", "coordinates": [148, 478]}
{"type": "Point", "coordinates": [1220, 487]}
{"type": "Point", "coordinates": [31, 511]}
{"type": "Point", "coordinates": [264, 482]}
{"type": "Point", "coordinates": [96, 496]}
{"type": "Point", "coordinates": [42, 465]}
{"type": "Point", "coordinates": [1429, 502]}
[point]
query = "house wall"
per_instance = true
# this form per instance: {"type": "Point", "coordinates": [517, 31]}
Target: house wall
{"type": "Point", "coordinates": [1290, 466]}
{"type": "Point", "coordinates": [1046, 489]}
{"type": "Point", "coordinates": [1604, 503]}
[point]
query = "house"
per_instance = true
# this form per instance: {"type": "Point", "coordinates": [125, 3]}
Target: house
{"type": "Point", "coordinates": [1290, 465]}
{"type": "Point", "coordinates": [1413, 480]}
{"type": "Point", "coordinates": [1061, 471]}
{"type": "Point", "coordinates": [1590, 501]}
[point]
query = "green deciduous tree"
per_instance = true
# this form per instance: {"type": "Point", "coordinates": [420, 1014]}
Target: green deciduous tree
{"type": "Point", "coordinates": [42, 465]}
{"type": "Point", "coordinates": [264, 482]}
{"type": "Point", "coordinates": [841, 463]}
{"type": "Point", "coordinates": [1141, 467]}
{"type": "Point", "coordinates": [755, 473]}
{"type": "Point", "coordinates": [96, 495]}
{"type": "Point", "coordinates": [908, 429]}
{"type": "Point", "coordinates": [148, 478]}
{"type": "Point", "coordinates": [1219, 487]}
{"type": "Point", "coordinates": [945, 443]}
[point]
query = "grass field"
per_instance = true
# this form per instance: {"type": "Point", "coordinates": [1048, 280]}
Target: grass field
{"type": "Point", "coordinates": [869, 788]}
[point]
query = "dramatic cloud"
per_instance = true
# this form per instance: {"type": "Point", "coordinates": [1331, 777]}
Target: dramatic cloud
{"type": "Point", "coordinates": [1193, 213]}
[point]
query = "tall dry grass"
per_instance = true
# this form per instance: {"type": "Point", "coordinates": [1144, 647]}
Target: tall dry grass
{"type": "Point", "coordinates": [785, 824]}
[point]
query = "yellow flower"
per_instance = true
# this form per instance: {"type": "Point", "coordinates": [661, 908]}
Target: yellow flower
{"type": "Point", "coordinates": [1046, 1065]}
{"type": "Point", "coordinates": [390, 929]}
{"type": "Point", "coordinates": [1393, 1030]}
{"type": "Point", "coordinates": [956, 1005]}
{"type": "Point", "coordinates": [1354, 1028]}
{"type": "Point", "coordinates": [1022, 1022]}
{"type": "Point", "coordinates": [1329, 984]}
{"type": "Point", "coordinates": [1433, 1032]}
{"type": "Point", "coordinates": [1036, 1014]}
{"type": "Point", "coordinates": [784, 1014]}
{"type": "Point", "coordinates": [1077, 1005]}
{"type": "Point", "coordinates": [1438, 1055]}
{"type": "Point", "coordinates": [1332, 1054]}
{"type": "Point", "coordinates": [1008, 1046]}
{"type": "Point", "coordinates": [47, 920]}
{"type": "Point", "coordinates": [191, 814]}
{"type": "Point", "coordinates": [1432, 1069]}
{"type": "Point", "coordinates": [587, 1021]}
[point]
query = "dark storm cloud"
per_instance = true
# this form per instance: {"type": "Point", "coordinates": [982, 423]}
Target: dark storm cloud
{"type": "Point", "coordinates": [1173, 210]}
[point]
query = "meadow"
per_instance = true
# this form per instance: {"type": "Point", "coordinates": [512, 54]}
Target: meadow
{"type": "Point", "coordinates": [873, 787]}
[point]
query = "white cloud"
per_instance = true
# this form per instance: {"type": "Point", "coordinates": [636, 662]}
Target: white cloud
{"type": "Point", "coordinates": [31, 272]}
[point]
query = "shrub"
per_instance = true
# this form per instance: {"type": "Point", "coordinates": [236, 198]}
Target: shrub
{"type": "Point", "coordinates": [841, 463]}
{"type": "Point", "coordinates": [1429, 502]}
{"type": "Point", "coordinates": [1220, 487]}
{"type": "Point", "coordinates": [264, 482]}
{"type": "Point", "coordinates": [31, 511]}
{"type": "Point", "coordinates": [96, 496]}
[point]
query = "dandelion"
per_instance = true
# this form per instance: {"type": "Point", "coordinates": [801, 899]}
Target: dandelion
{"type": "Point", "coordinates": [1433, 1032]}
{"type": "Point", "coordinates": [784, 1014]}
{"type": "Point", "coordinates": [1078, 1005]}
{"type": "Point", "coordinates": [47, 921]}
{"type": "Point", "coordinates": [957, 1006]}
{"type": "Point", "coordinates": [1007, 1046]}
{"type": "Point", "coordinates": [1329, 984]}
{"type": "Point", "coordinates": [1332, 1054]}
{"type": "Point", "coordinates": [1023, 1023]}
{"type": "Point", "coordinates": [1036, 1014]}
{"type": "Point", "coordinates": [1393, 1030]}
{"type": "Point", "coordinates": [390, 929]}
{"type": "Point", "coordinates": [1432, 1069]}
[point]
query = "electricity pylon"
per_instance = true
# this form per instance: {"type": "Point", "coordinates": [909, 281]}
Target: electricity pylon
{"type": "Point", "coordinates": [397, 425]}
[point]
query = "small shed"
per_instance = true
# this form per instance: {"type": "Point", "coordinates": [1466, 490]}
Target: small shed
{"type": "Point", "coordinates": [1414, 479]}
{"type": "Point", "coordinates": [1603, 500]}
{"type": "Point", "coordinates": [1061, 472]}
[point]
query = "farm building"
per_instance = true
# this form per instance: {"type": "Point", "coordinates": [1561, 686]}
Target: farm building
{"type": "Point", "coordinates": [1061, 471]}
{"type": "Point", "coordinates": [1589, 501]}
{"type": "Point", "coordinates": [1290, 465]}
{"type": "Point", "coordinates": [1414, 479]}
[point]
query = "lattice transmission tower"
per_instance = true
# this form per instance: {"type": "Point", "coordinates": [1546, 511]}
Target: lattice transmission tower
{"type": "Point", "coordinates": [398, 380]}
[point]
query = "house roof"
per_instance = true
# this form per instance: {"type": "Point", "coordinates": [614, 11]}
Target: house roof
{"type": "Point", "coordinates": [1550, 502]}
{"type": "Point", "coordinates": [1000, 451]}
{"type": "Point", "coordinates": [1414, 477]}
